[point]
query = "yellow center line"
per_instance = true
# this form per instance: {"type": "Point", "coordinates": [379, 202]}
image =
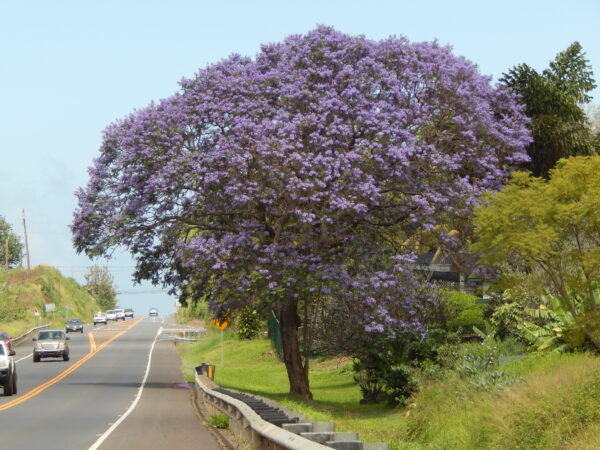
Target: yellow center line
{"type": "Point", "coordinates": [92, 342]}
{"type": "Point", "coordinates": [42, 387]}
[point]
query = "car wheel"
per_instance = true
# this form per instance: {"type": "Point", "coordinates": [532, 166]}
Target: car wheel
{"type": "Point", "coordinates": [65, 356]}
{"type": "Point", "coordinates": [8, 387]}
{"type": "Point", "coordinates": [36, 358]}
{"type": "Point", "coordinates": [15, 383]}
{"type": "Point", "coordinates": [81, 331]}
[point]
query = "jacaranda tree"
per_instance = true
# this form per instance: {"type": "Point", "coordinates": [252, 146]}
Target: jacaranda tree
{"type": "Point", "coordinates": [278, 180]}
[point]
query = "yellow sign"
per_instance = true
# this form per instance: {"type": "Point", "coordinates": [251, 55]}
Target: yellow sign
{"type": "Point", "coordinates": [221, 322]}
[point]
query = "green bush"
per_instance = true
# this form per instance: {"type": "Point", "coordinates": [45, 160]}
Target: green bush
{"type": "Point", "coordinates": [400, 385]}
{"type": "Point", "coordinates": [248, 323]}
{"type": "Point", "coordinates": [219, 421]}
{"type": "Point", "coordinates": [12, 311]}
{"type": "Point", "coordinates": [506, 319]}
{"type": "Point", "coordinates": [462, 312]}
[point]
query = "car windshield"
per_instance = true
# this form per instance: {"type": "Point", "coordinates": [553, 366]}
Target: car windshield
{"type": "Point", "coordinates": [50, 335]}
{"type": "Point", "coordinates": [1, 349]}
{"type": "Point", "coordinates": [110, 312]}
{"type": "Point", "coordinates": [74, 321]}
{"type": "Point", "coordinates": [3, 335]}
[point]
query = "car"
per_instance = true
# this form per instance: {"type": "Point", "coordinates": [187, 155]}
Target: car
{"type": "Point", "coordinates": [51, 343]}
{"type": "Point", "coordinates": [99, 317]}
{"type": "Point", "coordinates": [8, 370]}
{"type": "Point", "coordinates": [129, 312]}
{"type": "Point", "coordinates": [111, 315]}
{"type": "Point", "coordinates": [153, 312]}
{"type": "Point", "coordinates": [74, 325]}
{"type": "Point", "coordinates": [6, 339]}
{"type": "Point", "coordinates": [120, 313]}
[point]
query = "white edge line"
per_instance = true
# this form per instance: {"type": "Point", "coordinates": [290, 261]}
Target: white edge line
{"type": "Point", "coordinates": [24, 357]}
{"type": "Point", "coordinates": [107, 433]}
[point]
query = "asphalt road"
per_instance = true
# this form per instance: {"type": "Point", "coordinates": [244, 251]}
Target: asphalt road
{"type": "Point", "coordinates": [107, 396]}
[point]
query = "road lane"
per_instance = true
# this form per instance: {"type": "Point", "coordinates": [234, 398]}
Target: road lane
{"type": "Point", "coordinates": [71, 413]}
{"type": "Point", "coordinates": [163, 418]}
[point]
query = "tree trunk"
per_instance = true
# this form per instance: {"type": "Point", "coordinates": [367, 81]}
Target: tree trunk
{"type": "Point", "coordinates": [289, 321]}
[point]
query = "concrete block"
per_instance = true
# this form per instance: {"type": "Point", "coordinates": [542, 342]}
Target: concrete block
{"type": "Point", "coordinates": [324, 436]}
{"type": "Point", "coordinates": [323, 426]}
{"type": "Point", "coordinates": [345, 445]}
{"type": "Point", "coordinates": [298, 427]}
{"type": "Point", "coordinates": [320, 437]}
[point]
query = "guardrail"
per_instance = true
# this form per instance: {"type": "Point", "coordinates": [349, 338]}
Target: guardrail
{"type": "Point", "coordinates": [17, 340]}
{"type": "Point", "coordinates": [246, 423]}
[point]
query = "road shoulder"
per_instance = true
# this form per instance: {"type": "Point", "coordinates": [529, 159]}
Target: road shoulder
{"type": "Point", "coordinates": [164, 417]}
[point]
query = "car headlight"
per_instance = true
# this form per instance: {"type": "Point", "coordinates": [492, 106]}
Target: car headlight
{"type": "Point", "coordinates": [38, 347]}
{"type": "Point", "coordinates": [4, 364]}
{"type": "Point", "coordinates": [61, 345]}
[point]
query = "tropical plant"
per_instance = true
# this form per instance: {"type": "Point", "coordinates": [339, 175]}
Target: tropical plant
{"type": "Point", "coordinates": [550, 227]}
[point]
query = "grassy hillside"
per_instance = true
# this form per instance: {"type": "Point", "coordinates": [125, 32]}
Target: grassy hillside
{"type": "Point", "coordinates": [552, 404]}
{"type": "Point", "coordinates": [30, 290]}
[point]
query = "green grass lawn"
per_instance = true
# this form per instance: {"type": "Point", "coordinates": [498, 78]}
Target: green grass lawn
{"type": "Point", "coordinates": [554, 404]}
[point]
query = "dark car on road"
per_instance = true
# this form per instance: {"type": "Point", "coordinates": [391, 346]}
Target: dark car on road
{"type": "Point", "coordinates": [51, 343]}
{"type": "Point", "coordinates": [74, 325]}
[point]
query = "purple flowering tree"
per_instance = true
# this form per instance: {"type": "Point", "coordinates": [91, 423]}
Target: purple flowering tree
{"type": "Point", "coordinates": [271, 179]}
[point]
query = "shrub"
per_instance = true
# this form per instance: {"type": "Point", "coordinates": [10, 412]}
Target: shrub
{"type": "Point", "coordinates": [219, 421]}
{"type": "Point", "coordinates": [400, 385]}
{"type": "Point", "coordinates": [248, 323]}
{"type": "Point", "coordinates": [12, 311]}
{"type": "Point", "coordinates": [462, 312]}
{"type": "Point", "coordinates": [369, 376]}
{"type": "Point", "coordinates": [506, 319]}
{"type": "Point", "coordinates": [381, 378]}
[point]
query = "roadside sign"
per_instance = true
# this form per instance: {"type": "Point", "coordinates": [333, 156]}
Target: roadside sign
{"type": "Point", "coordinates": [50, 307]}
{"type": "Point", "coordinates": [221, 322]}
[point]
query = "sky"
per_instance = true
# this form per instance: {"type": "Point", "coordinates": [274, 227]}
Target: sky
{"type": "Point", "coordinates": [70, 68]}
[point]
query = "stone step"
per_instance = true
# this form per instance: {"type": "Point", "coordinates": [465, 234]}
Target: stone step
{"type": "Point", "coordinates": [301, 427]}
{"type": "Point", "coordinates": [324, 436]}
{"type": "Point", "coordinates": [345, 445]}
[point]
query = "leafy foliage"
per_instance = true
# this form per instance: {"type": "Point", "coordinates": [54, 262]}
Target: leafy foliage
{"type": "Point", "coordinates": [15, 248]}
{"type": "Point", "coordinates": [559, 125]}
{"type": "Point", "coordinates": [551, 227]}
{"type": "Point", "coordinates": [100, 284]}
{"type": "Point", "coordinates": [280, 176]}
{"type": "Point", "coordinates": [248, 323]}
{"type": "Point", "coordinates": [219, 421]}
{"type": "Point", "coordinates": [381, 378]}
{"type": "Point", "coordinates": [463, 312]}
{"type": "Point", "coordinates": [505, 319]}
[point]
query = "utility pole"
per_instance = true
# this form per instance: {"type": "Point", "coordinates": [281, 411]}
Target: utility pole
{"type": "Point", "coordinates": [6, 268]}
{"type": "Point", "coordinates": [26, 242]}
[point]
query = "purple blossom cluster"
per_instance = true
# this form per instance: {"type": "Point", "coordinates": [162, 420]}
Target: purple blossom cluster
{"type": "Point", "coordinates": [278, 172]}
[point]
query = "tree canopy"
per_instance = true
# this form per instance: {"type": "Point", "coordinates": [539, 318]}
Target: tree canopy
{"type": "Point", "coordinates": [298, 174]}
{"type": "Point", "coordinates": [15, 248]}
{"type": "Point", "coordinates": [552, 226]}
{"type": "Point", "coordinates": [100, 284]}
{"type": "Point", "coordinates": [553, 101]}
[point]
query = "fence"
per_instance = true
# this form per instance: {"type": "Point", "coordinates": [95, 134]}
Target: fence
{"type": "Point", "coordinates": [275, 334]}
